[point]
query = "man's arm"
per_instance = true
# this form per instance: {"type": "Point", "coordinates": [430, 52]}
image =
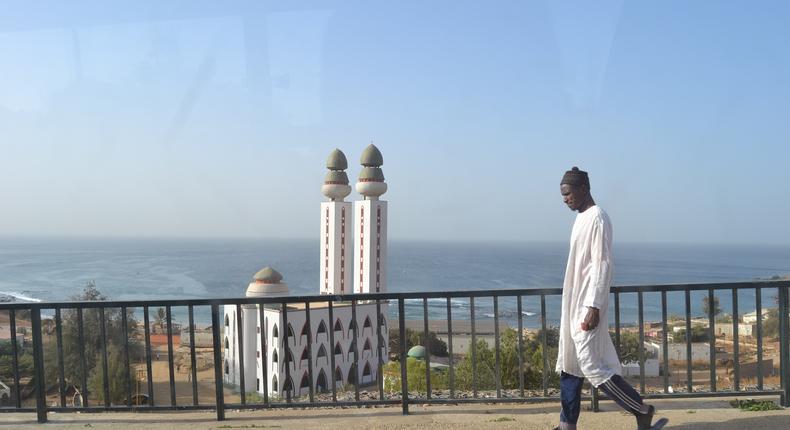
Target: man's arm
{"type": "Point", "coordinates": [598, 292]}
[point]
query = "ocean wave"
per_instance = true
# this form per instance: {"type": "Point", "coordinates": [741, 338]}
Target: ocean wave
{"type": "Point", "coordinates": [438, 302]}
{"type": "Point", "coordinates": [4, 295]}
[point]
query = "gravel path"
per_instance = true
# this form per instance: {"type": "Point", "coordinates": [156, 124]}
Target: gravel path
{"type": "Point", "coordinates": [683, 414]}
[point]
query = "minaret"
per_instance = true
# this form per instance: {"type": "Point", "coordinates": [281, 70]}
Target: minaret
{"type": "Point", "coordinates": [370, 221]}
{"type": "Point", "coordinates": [336, 228]}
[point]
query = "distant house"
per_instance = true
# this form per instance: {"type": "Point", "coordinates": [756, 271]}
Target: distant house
{"type": "Point", "coordinates": [677, 351]}
{"type": "Point", "coordinates": [751, 317]}
{"type": "Point", "coordinates": [744, 329]}
{"type": "Point", "coordinates": [651, 368]}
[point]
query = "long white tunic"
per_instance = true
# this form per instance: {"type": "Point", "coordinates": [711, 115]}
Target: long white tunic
{"type": "Point", "coordinates": [589, 354]}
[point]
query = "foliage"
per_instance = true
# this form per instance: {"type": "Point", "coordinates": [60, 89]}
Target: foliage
{"type": "Point", "coordinates": [752, 405]}
{"type": "Point", "coordinates": [629, 346]}
{"type": "Point", "coordinates": [698, 334]}
{"type": "Point", "coordinates": [92, 346]}
{"type": "Point", "coordinates": [771, 323]}
{"type": "Point", "coordinates": [116, 374]}
{"type": "Point", "coordinates": [484, 371]}
{"type": "Point", "coordinates": [706, 305]}
{"type": "Point", "coordinates": [437, 347]}
{"type": "Point", "coordinates": [25, 361]}
{"type": "Point", "coordinates": [415, 375]}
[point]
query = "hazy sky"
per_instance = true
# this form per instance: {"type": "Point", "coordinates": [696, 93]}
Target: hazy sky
{"type": "Point", "coordinates": [215, 118]}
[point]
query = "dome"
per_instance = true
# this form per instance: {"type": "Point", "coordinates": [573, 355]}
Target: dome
{"type": "Point", "coordinates": [374, 174]}
{"type": "Point", "coordinates": [336, 177]}
{"type": "Point", "coordinates": [267, 283]}
{"type": "Point", "coordinates": [371, 157]}
{"type": "Point", "coordinates": [267, 275]}
{"type": "Point", "coordinates": [417, 352]}
{"type": "Point", "coordinates": [337, 161]}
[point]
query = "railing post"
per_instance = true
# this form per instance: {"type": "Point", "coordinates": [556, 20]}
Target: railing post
{"type": "Point", "coordinates": [404, 387]}
{"type": "Point", "coordinates": [784, 348]}
{"type": "Point", "coordinates": [38, 364]}
{"type": "Point", "coordinates": [217, 344]}
{"type": "Point", "coordinates": [595, 406]}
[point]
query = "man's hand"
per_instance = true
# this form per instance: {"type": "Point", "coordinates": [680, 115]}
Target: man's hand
{"type": "Point", "coordinates": [591, 320]}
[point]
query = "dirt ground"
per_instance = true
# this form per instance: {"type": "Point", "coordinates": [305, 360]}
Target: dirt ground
{"type": "Point", "coordinates": [683, 414]}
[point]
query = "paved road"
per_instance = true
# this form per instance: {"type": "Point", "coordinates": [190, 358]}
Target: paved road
{"type": "Point", "coordinates": [683, 414]}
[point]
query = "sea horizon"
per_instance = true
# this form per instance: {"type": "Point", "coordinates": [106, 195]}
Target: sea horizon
{"type": "Point", "coordinates": [58, 268]}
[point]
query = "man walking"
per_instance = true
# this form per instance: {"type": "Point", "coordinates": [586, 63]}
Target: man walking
{"type": "Point", "coordinates": [585, 349]}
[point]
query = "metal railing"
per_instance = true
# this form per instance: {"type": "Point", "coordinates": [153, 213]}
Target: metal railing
{"type": "Point", "coordinates": [56, 360]}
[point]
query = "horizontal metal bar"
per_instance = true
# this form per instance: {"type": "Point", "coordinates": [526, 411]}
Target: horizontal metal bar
{"type": "Point", "coordinates": [388, 296]}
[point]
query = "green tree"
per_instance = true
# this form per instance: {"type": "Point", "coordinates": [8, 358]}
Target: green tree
{"type": "Point", "coordinates": [698, 334]}
{"type": "Point", "coordinates": [91, 347]}
{"type": "Point", "coordinates": [706, 306]}
{"type": "Point", "coordinates": [629, 346]}
{"type": "Point", "coordinates": [24, 362]}
{"type": "Point", "coordinates": [771, 323]}
{"type": "Point", "coordinates": [116, 375]}
{"type": "Point", "coordinates": [484, 361]}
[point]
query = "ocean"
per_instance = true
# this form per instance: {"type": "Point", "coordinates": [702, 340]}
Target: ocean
{"type": "Point", "coordinates": [140, 269]}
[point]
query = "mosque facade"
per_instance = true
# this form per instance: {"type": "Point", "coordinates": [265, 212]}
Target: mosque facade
{"type": "Point", "coordinates": [353, 260]}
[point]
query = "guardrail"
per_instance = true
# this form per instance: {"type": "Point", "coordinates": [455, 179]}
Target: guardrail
{"type": "Point", "coordinates": [51, 339]}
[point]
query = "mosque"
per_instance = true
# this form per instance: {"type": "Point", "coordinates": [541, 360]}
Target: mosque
{"type": "Point", "coordinates": [338, 261]}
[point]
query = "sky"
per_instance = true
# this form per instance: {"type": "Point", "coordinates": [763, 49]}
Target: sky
{"type": "Point", "coordinates": [214, 119]}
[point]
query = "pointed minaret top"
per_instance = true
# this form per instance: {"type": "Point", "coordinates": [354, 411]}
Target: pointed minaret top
{"type": "Point", "coordinates": [337, 160]}
{"type": "Point", "coordinates": [371, 157]}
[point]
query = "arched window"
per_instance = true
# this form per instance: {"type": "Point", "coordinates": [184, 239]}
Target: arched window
{"type": "Point", "coordinates": [305, 330]}
{"type": "Point", "coordinates": [320, 384]}
{"type": "Point", "coordinates": [290, 330]}
{"type": "Point", "coordinates": [305, 381]}
{"type": "Point", "coordinates": [274, 383]}
{"type": "Point", "coordinates": [305, 354]}
{"type": "Point", "coordinates": [338, 349]}
{"type": "Point", "coordinates": [367, 345]}
{"type": "Point", "coordinates": [227, 368]}
{"type": "Point", "coordinates": [321, 329]}
{"type": "Point", "coordinates": [351, 327]}
{"type": "Point", "coordinates": [289, 385]}
{"type": "Point", "coordinates": [290, 357]}
{"type": "Point", "coordinates": [352, 374]}
{"type": "Point", "coordinates": [338, 374]}
{"type": "Point", "coordinates": [352, 347]}
{"type": "Point", "coordinates": [338, 326]}
{"type": "Point", "coordinates": [366, 370]}
{"type": "Point", "coordinates": [227, 344]}
{"type": "Point", "coordinates": [274, 357]}
{"type": "Point", "coordinates": [383, 322]}
{"type": "Point", "coordinates": [227, 321]}
{"type": "Point", "coordinates": [321, 351]}
{"type": "Point", "coordinates": [275, 333]}
{"type": "Point", "coordinates": [367, 323]}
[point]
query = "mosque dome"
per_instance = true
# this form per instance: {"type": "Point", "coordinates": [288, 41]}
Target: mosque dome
{"type": "Point", "coordinates": [337, 160]}
{"type": "Point", "coordinates": [267, 275]}
{"type": "Point", "coordinates": [336, 177]}
{"type": "Point", "coordinates": [371, 174]}
{"type": "Point", "coordinates": [336, 180]}
{"type": "Point", "coordinates": [371, 157]}
{"type": "Point", "coordinates": [267, 283]}
{"type": "Point", "coordinates": [417, 352]}
{"type": "Point", "coordinates": [371, 178]}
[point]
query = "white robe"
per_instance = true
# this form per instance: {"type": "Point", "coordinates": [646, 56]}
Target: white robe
{"type": "Point", "coordinates": [590, 354]}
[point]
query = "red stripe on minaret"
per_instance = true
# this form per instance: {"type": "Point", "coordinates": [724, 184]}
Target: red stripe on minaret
{"type": "Point", "coordinates": [361, 247]}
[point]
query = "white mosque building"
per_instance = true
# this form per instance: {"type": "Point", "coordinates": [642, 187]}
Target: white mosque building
{"type": "Point", "coordinates": [366, 262]}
